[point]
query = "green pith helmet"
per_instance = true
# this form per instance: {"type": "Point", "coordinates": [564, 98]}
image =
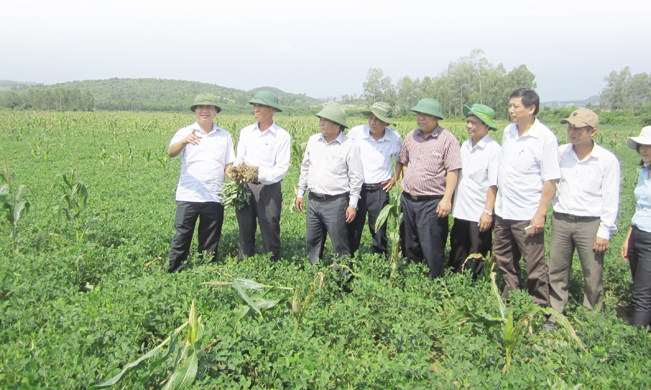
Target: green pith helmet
{"type": "Point", "coordinates": [428, 106]}
{"type": "Point", "coordinates": [382, 111]}
{"type": "Point", "coordinates": [484, 113]}
{"type": "Point", "coordinates": [334, 113]}
{"type": "Point", "coordinates": [205, 99]}
{"type": "Point", "coordinates": [266, 98]}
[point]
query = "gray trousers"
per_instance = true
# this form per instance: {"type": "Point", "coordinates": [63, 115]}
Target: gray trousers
{"type": "Point", "coordinates": [326, 216]}
{"type": "Point", "coordinates": [425, 233]}
{"type": "Point", "coordinates": [371, 203]}
{"type": "Point", "coordinates": [639, 257]}
{"type": "Point", "coordinates": [211, 218]}
{"type": "Point", "coordinates": [569, 234]}
{"type": "Point", "coordinates": [511, 243]}
{"type": "Point", "coordinates": [264, 205]}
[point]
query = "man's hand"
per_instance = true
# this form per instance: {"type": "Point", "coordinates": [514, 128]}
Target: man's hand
{"type": "Point", "coordinates": [350, 214]}
{"type": "Point", "coordinates": [600, 245]}
{"type": "Point", "coordinates": [298, 202]}
{"type": "Point", "coordinates": [192, 139]}
{"type": "Point", "coordinates": [389, 184]}
{"type": "Point", "coordinates": [444, 208]}
{"type": "Point", "coordinates": [485, 222]}
{"type": "Point", "coordinates": [537, 225]}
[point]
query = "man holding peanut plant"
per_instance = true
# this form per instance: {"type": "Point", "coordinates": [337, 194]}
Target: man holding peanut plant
{"type": "Point", "coordinates": [267, 146]}
{"type": "Point", "coordinates": [206, 152]}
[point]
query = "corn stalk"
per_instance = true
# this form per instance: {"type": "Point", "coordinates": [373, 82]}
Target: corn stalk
{"type": "Point", "coordinates": [393, 210]}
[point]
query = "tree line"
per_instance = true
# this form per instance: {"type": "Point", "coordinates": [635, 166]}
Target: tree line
{"type": "Point", "coordinates": [62, 99]}
{"type": "Point", "coordinates": [625, 91]}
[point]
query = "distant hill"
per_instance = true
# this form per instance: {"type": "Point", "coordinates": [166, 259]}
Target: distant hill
{"type": "Point", "coordinates": [174, 95]}
{"type": "Point", "coordinates": [594, 100]}
{"type": "Point", "coordinates": [8, 84]}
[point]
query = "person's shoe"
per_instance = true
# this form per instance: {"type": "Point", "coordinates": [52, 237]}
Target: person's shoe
{"type": "Point", "coordinates": [549, 326]}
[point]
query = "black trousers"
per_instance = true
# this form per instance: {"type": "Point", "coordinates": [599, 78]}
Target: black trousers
{"type": "Point", "coordinates": [425, 234]}
{"type": "Point", "coordinates": [264, 205]}
{"type": "Point", "coordinates": [326, 217]}
{"type": "Point", "coordinates": [639, 257]}
{"type": "Point", "coordinates": [465, 239]}
{"type": "Point", "coordinates": [371, 202]}
{"type": "Point", "coordinates": [211, 218]}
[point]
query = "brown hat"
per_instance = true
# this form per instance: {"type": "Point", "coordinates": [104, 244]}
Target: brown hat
{"type": "Point", "coordinates": [582, 118]}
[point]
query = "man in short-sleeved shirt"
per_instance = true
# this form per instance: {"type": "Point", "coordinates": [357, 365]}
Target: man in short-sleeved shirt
{"type": "Point", "coordinates": [527, 179]}
{"type": "Point", "coordinates": [267, 146]}
{"type": "Point", "coordinates": [378, 145]}
{"type": "Point", "coordinates": [432, 159]}
{"type": "Point", "coordinates": [207, 151]}
{"type": "Point", "coordinates": [474, 198]}
{"type": "Point", "coordinates": [332, 172]}
{"type": "Point", "coordinates": [585, 211]}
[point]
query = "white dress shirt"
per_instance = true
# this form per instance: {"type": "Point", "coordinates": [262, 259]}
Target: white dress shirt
{"type": "Point", "coordinates": [269, 150]}
{"type": "Point", "coordinates": [331, 168]}
{"type": "Point", "coordinates": [589, 188]}
{"type": "Point", "coordinates": [202, 166]}
{"type": "Point", "coordinates": [376, 155]}
{"type": "Point", "coordinates": [481, 166]}
{"type": "Point", "coordinates": [527, 162]}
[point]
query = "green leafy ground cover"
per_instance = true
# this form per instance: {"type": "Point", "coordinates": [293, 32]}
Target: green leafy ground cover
{"type": "Point", "coordinates": [84, 293]}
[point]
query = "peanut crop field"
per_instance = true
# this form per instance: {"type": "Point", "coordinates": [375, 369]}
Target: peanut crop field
{"type": "Point", "coordinates": [85, 227]}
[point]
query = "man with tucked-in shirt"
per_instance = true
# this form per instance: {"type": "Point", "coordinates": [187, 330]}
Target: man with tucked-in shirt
{"type": "Point", "coordinates": [332, 171]}
{"type": "Point", "coordinates": [207, 151]}
{"type": "Point", "coordinates": [378, 145]}
{"type": "Point", "coordinates": [267, 146]}
{"type": "Point", "coordinates": [431, 156]}
{"type": "Point", "coordinates": [528, 174]}
{"type": "Point", "coordinates": [474, 198]}
{"type": "Point", "coordinates": [585, 211]}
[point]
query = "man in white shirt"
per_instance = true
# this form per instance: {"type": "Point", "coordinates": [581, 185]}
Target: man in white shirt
{"type": "Point", "coordinates": [585, 211]}
{"type": "Point", "coordinates": [206, 152]}
{"type": "Point", "coordinates": [267, 146]}
{"type": "Point", "coordinates": [332, 171]}
{"type": "Point", "coordinates": [378, 145]}
{"type": "Point", "coordinates": [528, 174]}
{"type": "Point", "coordinates": [474, 198]}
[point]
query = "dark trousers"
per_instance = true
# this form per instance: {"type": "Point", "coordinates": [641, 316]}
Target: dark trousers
{"type": "Point", "coordinates": [425, 234]}
{"type": "Point", "coordinates": [465, 239]}
{"type": "Point", "coordinates": [211, 218]}
{"type": "Point", "coordinates": [371, 202]}
{"type": "Point", "coordinates": [264, 205]}
{"type": "Point", "coordinates": [639, 257]}
{"type": "Point", "coordinates": [326, 216]}
{"type": "Point", "coordinates": [511, 243]}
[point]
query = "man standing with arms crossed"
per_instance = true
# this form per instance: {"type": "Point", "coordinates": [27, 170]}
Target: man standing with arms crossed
{"type": "Point", "coordinates": [332, 171]}
{"type": "Point", "coordinates": [585, 211]}
{"type": "Point", "coordinates": [378, 145]}
{"type": "Point", "coordinates": [432, 159]}
{"type": "Point", "coordinates": [527, 180]}
{"type": "Point", "coordinates": [474, 198]}
{"type": "Point", "coordinates": [207, 151]}
{"type": "Point", "coordinates": [267, 146]}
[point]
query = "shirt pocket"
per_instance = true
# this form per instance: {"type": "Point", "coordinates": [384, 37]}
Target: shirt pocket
{"type": "Point", "coordinates": [337, 164]}
{"type": "Point", "coordinates": [479, 176]}
{"type": "Point", "coordinates": [593, 186]}
{"type": "Point", "coordinates": [523, 161]}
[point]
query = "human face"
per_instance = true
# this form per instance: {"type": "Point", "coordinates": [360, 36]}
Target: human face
{"type": "Point", "coordinates": [263, 113]}
{"type": "Point", "coordinates": [580, 135]}
{"type": "Point", "coordinates": [645, 153]}
{"type": "Point", "coordinates": [519, 112]}
{"type": "Point", "coordinates": [329, 129]}
{"type": "Point", "coordinates": [427, 123]}
{"type": "Point", "coordinates": [476, 128]}
{"type": "Point", "coordinates": [205, 114]}
{"type": "Point", "coordinates": [376, 125]}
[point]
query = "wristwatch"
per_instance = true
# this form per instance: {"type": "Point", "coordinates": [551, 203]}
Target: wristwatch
{"type": "Point", "coordinates": [489, 212]}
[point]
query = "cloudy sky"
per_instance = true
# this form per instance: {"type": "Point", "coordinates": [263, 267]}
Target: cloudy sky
{"type": "Point", "coordinates": [322, 48]}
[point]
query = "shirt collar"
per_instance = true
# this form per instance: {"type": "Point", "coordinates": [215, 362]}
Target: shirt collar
{"type": "Point", "coordinates": [214, 127]}
{"type": "Point", "coordinates": [434, 134]}
{"type": "Point", "coordinates": [596, 152]}
{"type": "Point", "coordinates": [340, 138]}
{"type": "Point", "coordinates": [482, 142]}
{"type": "Point", "coordinates": [534, 131]}
{"type": "Point", "coordinates": [273, 127]}
{"type": "Point", "coordinates": [367, 134]}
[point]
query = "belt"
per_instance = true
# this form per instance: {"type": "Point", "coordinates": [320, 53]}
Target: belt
{"type": "Point", "coordinates": [575, 217]}
{"type": "Point", "coordinates": [373, 187]}
{"type": "Point", "coordinates": [422, 197]}
{"type": "Point", "coordinates": [326, 197]}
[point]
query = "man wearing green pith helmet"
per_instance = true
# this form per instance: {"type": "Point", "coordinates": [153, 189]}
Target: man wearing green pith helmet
{"type": "Point", "coordinates": [474, 198]}
{"type": "Point", "coordinates": [206, 152]}
{"type": "Point", "coordinates": [332, 172]}
{"type": "Point", "coordinates": [267, 146]}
